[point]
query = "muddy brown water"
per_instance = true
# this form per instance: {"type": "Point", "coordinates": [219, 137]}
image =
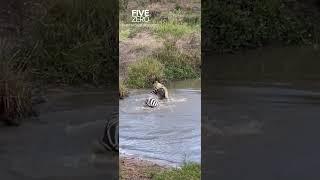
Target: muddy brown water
{"type": "Point", "coordinates": [169, 134]}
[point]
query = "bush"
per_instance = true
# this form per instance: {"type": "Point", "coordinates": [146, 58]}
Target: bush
{"type": "Point", "coordinates": [123, 90]}
{"type": "Point", "coordinates": [74, 42]}
{"type": "Point", "coordinates": [240, 24]}
{"type": "Point", "coordinates": [178, 66]}
{"type": "Point", "coordinates": [15, 94]}
{"type": "Point", "coordinates": [143, 72]}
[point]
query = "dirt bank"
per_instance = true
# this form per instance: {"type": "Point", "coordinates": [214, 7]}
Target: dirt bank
{"type": "Point", "coordinates": [137, 169]}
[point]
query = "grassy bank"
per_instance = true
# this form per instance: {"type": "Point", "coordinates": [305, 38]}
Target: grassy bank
{"type": "Point", "coordinates": [15, 94]}
{"type": "Point", "coordinates": [71, 42]}
{"type": "Point", "coordinates": [245, 24]}
{"type": "Point", "coordinates": [188, 171]}
{"type": "Point", "coordinates": [55, 42]}
{"type": "Point", "coordinates": [132, 168]}
{"type": "Point", "coordinates": [173, 50]}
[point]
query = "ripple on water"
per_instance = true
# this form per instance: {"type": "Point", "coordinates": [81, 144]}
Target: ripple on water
{"type": "Point", "coordinates": [170, 134]}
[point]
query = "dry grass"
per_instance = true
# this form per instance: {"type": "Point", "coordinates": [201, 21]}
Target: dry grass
{"type": "Point", "coordinates": [15, 95]}
{"type": "Point", "coordinates": [167, 48]}
{"type": "Point", "coordinates": [123, 90]}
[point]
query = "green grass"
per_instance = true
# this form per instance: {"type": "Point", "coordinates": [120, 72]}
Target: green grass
{"type": "Point", "coordinates": [243, 24]}
{"type": "Point", "coordinates": [189, 171]}
{"type": "Point", "coordinates": [177, 25]}
{"type": "Point", "coordinates": [177, 65]}
{"type": "Point", "coordinates": [74, 43]}
{"type": "Point", "coordinates": [131, 30]}
{"type": "Point", "coordinates": [124, 34]}
{"type": "Point", "coordinates": [166, 64]}
{"type": "Point", "coordinates": [143, 72]}
{"type": "Point", "coordinates": [176, 30]}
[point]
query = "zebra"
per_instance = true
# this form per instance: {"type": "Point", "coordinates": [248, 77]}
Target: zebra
{"type": "Point", "coordinates": [110, 139]}
{"type": "Point", "coordinates": [153, 99]}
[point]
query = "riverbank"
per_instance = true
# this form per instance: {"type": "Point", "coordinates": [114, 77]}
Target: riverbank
{"type": "Point", "coordinates": [132, 168]}
{"type": "Point", "coordinates": [165, 49]}
{"type": "Point", "coordinates": [242, 25]}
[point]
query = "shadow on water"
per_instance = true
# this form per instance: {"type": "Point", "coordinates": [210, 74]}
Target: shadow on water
{"type": "Point", "coordinates": [267, 64]}
{"type": "Point", "coordinates": [169, 134]}
{"type": "Point", "coordinates": [261, 115]}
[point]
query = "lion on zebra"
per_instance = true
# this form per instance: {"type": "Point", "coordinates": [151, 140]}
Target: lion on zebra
{"type": "Point", "coordinates": [159, 92]}
{"type": "Point", "coordinates": [110, 139]}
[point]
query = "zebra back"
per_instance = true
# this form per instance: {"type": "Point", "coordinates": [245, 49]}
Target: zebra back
{"type": "Point", "coordinates": [154, 92]}
{"type": "Point", "coordinates": [110, 138]}
{"type": "Point", "coordinates": [152, 102]}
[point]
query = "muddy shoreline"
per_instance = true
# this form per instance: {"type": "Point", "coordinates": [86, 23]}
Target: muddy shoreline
{"type": "Point", "coordinates": [134, 168]}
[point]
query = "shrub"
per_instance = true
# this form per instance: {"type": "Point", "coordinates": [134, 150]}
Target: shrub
{"type": "Point", "coordinates": [15, 95]}
{"type": "Point", "coordinates": [74, 42]}
{"type": "Point", "coordinates": [123, 90]}
{"type": "Point", "coordinates": [233, 25]}
{"type": "Point", "coordinates": [143, 72]}
{"type": "Point", "coordinates": [178, 66]}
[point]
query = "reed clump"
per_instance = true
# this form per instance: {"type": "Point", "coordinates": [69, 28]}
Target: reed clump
{"type": "Point", "coordinates": [15, 95]}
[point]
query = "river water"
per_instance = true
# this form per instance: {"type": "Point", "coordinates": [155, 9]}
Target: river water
{"type": "Point", "coordinates": [170, 134]}
{"type": "Point", "coordinates": [261, 112]}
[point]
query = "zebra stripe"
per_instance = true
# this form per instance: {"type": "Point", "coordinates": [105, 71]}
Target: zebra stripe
{"type": "Point", "coordinates": [154, 92]}
{"type": "Point", "coordinates": [153, 99]}
{"type": "Point", "coordinates": [110, 138]}
{"type": "Point", "coordinates": [152, 102]}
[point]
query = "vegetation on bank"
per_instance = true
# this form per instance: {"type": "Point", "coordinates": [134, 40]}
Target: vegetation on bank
{"type": "Point", "coordinates": [178, 65]}
{"type": "Point", "coordinates": [242, 24]}
{"type": "Point", "coordinates": [143, 72]}
{"type": "Point", "coordinates": [131, 168]}
{"type": "Point", "coordinates": [15, 94]}
{"type": "Point", "coordinates": [171, 26]}
{"type": "Point", "coordinates": [123, 90]}
{"type": "Point", "coordinates": [61, 41]}
{"type": "Point", "coordinates": [72, 42]}
{"type": "Point", "coordinates": [164, 65]}
{"type": "Point", "coordinates": [229, 26]}
{"type": "Point", "coordinates": [190, 171]}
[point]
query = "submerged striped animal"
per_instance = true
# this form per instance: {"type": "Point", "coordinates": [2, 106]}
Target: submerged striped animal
{"type": "Point", "coordinates": [110, 139]}
{"type": "Point", "coordinates": [157, 94]}
{"type": "Point", "coordinates": [153, 99]}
